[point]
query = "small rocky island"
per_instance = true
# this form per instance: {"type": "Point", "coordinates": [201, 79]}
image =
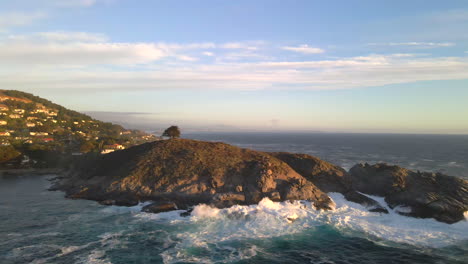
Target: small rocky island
{"type": "Point", "coordinates": [180, 173]}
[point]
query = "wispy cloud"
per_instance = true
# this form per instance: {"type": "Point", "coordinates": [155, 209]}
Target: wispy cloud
{"type": "Point", "coordinates": [81, 48]}
{"type": "Point", "coordinates": [208, 53]}
{"type": "Point", "coordinates": [77, 3]}
{"type": "Point", "coordinates": [241, 45]}
{"type": "Point", "coordinates": [344, 73]}
{"type": "Point", "coordinates": [80, 60]}
{"type": "Point", "coordinates": [63, 36]}
{"type": "Point", "coordinates": [305, 49]}
{"type": "Point", "coordinates": [15, 19]}
{"type": "Point", "coordinates": [416, 44]}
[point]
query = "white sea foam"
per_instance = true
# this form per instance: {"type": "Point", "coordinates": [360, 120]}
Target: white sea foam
{"type": "Point", "coordinates": [114, 209]}
{"type": "Point", "coordinates": [213, 227]}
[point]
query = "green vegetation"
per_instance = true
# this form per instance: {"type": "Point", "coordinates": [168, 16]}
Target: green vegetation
{"type": "Point", "coordinates": [8, 153]}
{"type": "Point", "coordinates": [39, 129]}
{"type": "Point", "coordinates": [172, 132]}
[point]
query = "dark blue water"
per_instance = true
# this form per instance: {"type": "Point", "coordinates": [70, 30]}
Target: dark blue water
{"type": "Point", "coordinates": [38, 226]}
{"type": "Point", "coordinates": [436, 153]}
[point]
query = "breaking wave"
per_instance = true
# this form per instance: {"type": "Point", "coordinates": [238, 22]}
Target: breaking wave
{"type": "Point", "coordinates": [212, 228]}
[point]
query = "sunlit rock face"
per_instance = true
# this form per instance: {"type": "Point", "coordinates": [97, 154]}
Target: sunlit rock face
{"type": "Point", "coordinates": [189, 172]}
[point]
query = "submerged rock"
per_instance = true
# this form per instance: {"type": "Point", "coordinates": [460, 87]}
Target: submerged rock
{"type": "Point", "coordinates": [425, 195]}
{"type": "Point", "coordinates": [160, 207]}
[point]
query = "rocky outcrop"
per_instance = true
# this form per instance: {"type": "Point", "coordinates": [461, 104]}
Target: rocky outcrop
{"type": "Point", "coordinates": [425, 195]}
{"type": "Point", "coordinates": [188, 172]}
{"type": "Point", "coordinates": [327, 177]}
{"type": "Point", "coordinates": [180, 173]}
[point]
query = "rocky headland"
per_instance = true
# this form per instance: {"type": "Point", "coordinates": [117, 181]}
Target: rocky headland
{"type": "Point", "coordinates": [180, 173]}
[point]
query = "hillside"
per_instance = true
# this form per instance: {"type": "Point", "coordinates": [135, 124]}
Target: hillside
{"type": "Point", "coordinates": [34, 130]}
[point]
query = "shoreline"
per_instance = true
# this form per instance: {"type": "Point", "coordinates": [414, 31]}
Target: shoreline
{"type": "Point", "coordinates": [30, 171]}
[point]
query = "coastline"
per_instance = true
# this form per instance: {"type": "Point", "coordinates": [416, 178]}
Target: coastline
{"type": "Point", "coordinates": [29, 171]}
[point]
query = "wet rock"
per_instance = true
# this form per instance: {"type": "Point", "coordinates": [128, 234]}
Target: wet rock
{"type": "Point", "coordinates": [429, 195]}
{"type": "Point", "coordinates": [371, 204]}
{"type": "Point", "coordinates": [159, 207]}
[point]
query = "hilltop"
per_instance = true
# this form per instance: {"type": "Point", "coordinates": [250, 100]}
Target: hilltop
{"type": "Point", "coordinates": [37, 132]}
{"type": "Point", "coordinates": [187, 172]}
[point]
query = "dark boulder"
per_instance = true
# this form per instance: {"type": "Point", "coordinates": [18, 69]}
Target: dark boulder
{"type": "Point", "coordinates": [327, 177]}
{"type": "Point", "coordinates": [160, 207]}
{"type": "Point", "coordinates": [429, 195]}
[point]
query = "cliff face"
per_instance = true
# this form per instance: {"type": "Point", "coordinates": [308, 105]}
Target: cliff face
{"type": "Point", "coordinates": [189, 172]}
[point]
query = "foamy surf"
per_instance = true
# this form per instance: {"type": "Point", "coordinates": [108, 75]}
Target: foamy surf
{"type": "Point", "coordinates": [272, 219]}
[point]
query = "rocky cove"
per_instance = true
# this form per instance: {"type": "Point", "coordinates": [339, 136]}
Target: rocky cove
{"type": "Point", "coordinates": [181, 173]}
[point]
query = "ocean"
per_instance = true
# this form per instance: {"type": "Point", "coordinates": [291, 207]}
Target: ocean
{"type": "Point", "coordinates": [40, 226]}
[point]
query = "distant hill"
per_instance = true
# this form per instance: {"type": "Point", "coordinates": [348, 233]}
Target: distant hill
{"type": "Point", "coordinates": [30, 124]}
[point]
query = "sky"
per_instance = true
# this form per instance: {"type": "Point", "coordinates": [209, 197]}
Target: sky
{"type": "Point", "coordinates": [360, 66]}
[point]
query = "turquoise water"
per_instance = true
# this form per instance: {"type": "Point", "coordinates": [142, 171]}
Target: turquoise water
{"type": "Point", "coordinates": [39, 226]}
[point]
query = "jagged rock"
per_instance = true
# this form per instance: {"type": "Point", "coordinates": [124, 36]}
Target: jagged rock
{"type": "Point", "coordinates": [182, 173]}
{"type": "Point", "coordinates": [187, 173]}
{"type": "Point", "coordinates": [327, 177]}
{"type": "Point", "coordinates": [159, 207]}
{"type": "Point", "coordinates": [428, 195]}
{"type": "Point", "coordinates": [371, 204]}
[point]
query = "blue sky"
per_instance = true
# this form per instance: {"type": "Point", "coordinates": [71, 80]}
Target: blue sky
{"type": "Point", "coordinates": [339, 66]}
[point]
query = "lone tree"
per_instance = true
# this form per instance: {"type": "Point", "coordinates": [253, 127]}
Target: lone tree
{"type": "Point", "coordinates": [172, 132]}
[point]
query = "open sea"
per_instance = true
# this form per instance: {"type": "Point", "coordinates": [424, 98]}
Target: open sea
{"type": "Point", "coordinates": [39, 226]}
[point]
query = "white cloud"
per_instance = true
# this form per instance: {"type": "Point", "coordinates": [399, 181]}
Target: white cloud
{"type": "Point", "coordinates": [345, 73]}
{"type": "Point", "coordinates": [305, 49]}
{"type": "Point", "coordinates": [416, 44]}
{"type": "Point", "coordinates": [62, 36]}
{"type": "Point", "coordinates": [83, 60]}
{"type": "Point", "coordinates": [240, 45]}
{"type": "Point", "coordinates": [15, 19]}
{"type": "Point", "coordinates": [76, 3]}
{"type": "Point", "coordinates": [208, 53]}
{"type": "Point", "coordinates": [82, 48]}
{"type": "Point", "coordinates": [186, 58]}
{"type": "Point", "coordinates": [80, 53]}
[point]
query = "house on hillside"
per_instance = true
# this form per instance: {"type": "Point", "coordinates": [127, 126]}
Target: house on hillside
{"type": "Point", "coordinates": [114, 146]}
{"type": "Point", "coordinates": [19, 111]}
{"type": "Point", "coordinates": [3, 107]}
{"type": "Point", "coordinates": [4, 98]}
{"type": "Point", "coordinates": [107, 151]}
{"type": "Point", "coordinates": [38, 134]}
{"type": "Point", "coordinates": [52, 113]}
{"type": "Point", "coordinates": [15, 116]}
{"type": "Point", "coordinates": [5, 134]}
{"type": "Point", "coordinates": [30, 124]}
{"type": "Point", "coordinates": [3, 122]}
{"type": "Point", "coordinates": [48, 139]}
{"type": "Point", "coordinates": [39, 110]}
